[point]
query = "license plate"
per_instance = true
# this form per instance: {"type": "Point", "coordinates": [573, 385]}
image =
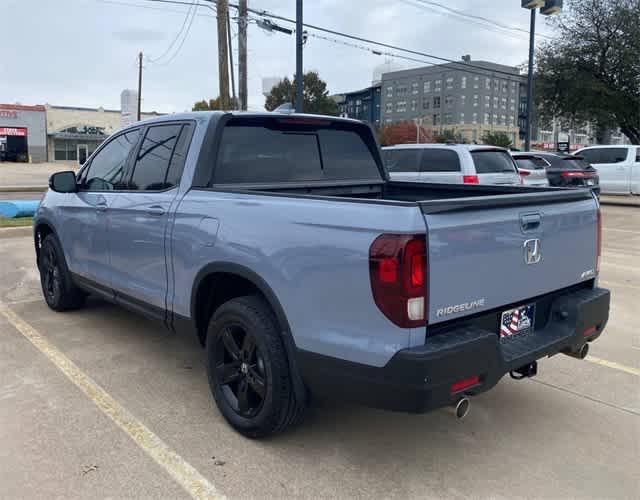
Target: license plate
{"type": "Point", "coordinates": [517, 321]}
{"type": "Point", "coordinates": [590, 182]}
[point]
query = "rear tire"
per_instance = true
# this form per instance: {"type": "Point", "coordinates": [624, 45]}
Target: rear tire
{"type": "Point", "coordinates": [57, 287]}
{"type": "Point", "coordinates": [248, 370]}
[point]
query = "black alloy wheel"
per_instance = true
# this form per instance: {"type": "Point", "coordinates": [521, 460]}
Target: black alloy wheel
{"type": "Point", "coordinates": [240, 370]}
{"type": "Point", "coordinates": [50, 272]}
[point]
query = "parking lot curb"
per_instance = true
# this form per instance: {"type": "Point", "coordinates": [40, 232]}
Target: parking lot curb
{"type": "Point", "coordinates": [23, 189]}
{"type": "Point", "coordinates": [15, 232]}
{"type": "Point", "coordinates": [620, 203]}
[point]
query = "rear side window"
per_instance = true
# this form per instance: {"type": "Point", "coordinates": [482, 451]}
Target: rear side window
{"type": "Point", "coordinates": [273, 152]}
{"type": "Point", "coordinates": [604, 155]}
{"type": "Point", "coordinates": [492, 161]}
{"type": "Point", "coordinates": [151, 169]}
{"type": "Point", "coordinates": [402, 160]}
{"type": "Point", "coordinates": [439, 160]}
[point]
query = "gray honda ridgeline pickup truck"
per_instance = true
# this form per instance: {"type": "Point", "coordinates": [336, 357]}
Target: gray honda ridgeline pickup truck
{"type": "Point", "coordinates": [281, 244]}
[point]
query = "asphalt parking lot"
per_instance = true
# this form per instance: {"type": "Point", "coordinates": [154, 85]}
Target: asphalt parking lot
{"type": "Point", "coordinates": [101, 403]}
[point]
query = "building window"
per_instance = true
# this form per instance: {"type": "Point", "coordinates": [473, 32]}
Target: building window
{"type": "Point", "coordinates": [427, 86]}
{"type": "Point", "coordinates": [438, 86]}
{"type": "Point", "coordinates": [389, 107]}
{"type": "Point", "coordinates": [495, 101]}
{"type": "Point", "coordinates": [463, 82]}
{"type": "Point", "coordinates": [487, 119]}
{"type": "Point", "coordinates": [414, 105]}
{"type": "Point", "coordinates": [448, 118]}
{"type": "Point", "coordinates": [487, 83]}
{"type": "Point", "coordinates": [505, 86]}
{"type": "Point", "coordinates": [425, 103]}
{"type": "Point", "coordinates": [400, 91]}
{"type": "Point", "coordinates": [513, 86]}
{"type": "Point", "coordinates": [390, 91]}
{"type": "Point", "coordinates": [436, 119]}
{"type": "Point", "coordinates": [503, 103]}
{"type": "Point", "coordinates": [450, 82]}
{"type": "Point", "coordinates": [414, 88]}
{"type": "Point", "coordinates": [448, 101]}
{"type": "Point", "coordinates": [436, 102]}
{"type": "Point", "coordinates": [503, 120]}
{"type": "Point", "coordinates": [463, 99]}
{"type": "Point", "coordinates": [475, 100]}
{"type": "Point", "coordinates": [462, 118]}
{"type": "Point", "coordinates": [496, 84]}
{"type": "Point", "coordinates": [512, 105]}
{"type": "Point", "coordinates": [388, 120]}
{"type": "Point", "coordinates": [475, 118]}
{"type": "Point", "coordinates": [401, 106]}
{"type": "Point", "coordinates": [475, 82]}
{"type": "Point", "coordinates": [495, 118]}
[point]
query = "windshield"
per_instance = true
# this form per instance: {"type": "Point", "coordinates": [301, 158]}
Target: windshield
{"type": "Point", "coordinates": [492, 161]}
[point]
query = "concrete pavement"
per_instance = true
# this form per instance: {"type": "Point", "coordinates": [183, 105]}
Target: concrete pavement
{"type": "Point", "coordinates": [574, 431]}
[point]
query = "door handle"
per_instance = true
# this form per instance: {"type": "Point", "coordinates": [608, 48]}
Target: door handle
{"type": "Point", "coordinates": [530, 222]}
{"type": "Point", "coordinates": [101, 207]}
{"type": "Point", "coordinates": [155, 210]}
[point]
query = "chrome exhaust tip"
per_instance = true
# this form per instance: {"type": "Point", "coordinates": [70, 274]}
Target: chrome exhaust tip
{"type": "Point", "coordinates": [461, 408]}
{"type": "Point", "coordinates": [580, 353]}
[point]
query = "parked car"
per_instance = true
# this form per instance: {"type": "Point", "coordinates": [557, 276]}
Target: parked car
{"type": "Point", "coordinates": [617, 166]}
{"type": "Point", "coordinates": [450, 164]}
{"type": "Point", "coordinates": [281, 245]}
{"type": "Point", "coordinates": [571, 171]}
{"type": "Point", "coordinates": [532, 169]}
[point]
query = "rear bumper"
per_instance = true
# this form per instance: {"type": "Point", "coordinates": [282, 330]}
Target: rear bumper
{"type": "Point", "coordinates": [419, 379]}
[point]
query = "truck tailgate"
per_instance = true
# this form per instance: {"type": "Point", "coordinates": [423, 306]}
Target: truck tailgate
{"type": "Point", "coordinates": [483, 256]}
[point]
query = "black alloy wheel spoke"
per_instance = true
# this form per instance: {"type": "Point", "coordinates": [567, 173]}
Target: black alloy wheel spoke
{"type": "Point", "coordinates": [243, 396]}
{"type": "Point", "coordinates": [256, 381]}
{"type": "Point", "coordinates": [230, 344]}
{"type": "Point", "coordinates": [248, 347]}
{"type": "Point", "coordinates": [229, 372]}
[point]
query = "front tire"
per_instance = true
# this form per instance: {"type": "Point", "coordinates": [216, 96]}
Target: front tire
{"type": "Point", "coordinates": [248, 370]}
{"type": "Point", "coordinates": [57, 287]}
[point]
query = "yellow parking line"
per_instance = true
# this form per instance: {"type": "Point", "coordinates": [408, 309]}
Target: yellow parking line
{"type": "Point", "coordinates": [182, 472]}
{"type": "Point", "coordinates": [614, 365]}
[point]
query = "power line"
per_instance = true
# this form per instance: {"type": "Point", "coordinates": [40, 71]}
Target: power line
{"type": "Point", "coordinates": [474, 18]}
{"type": "Point", "coordinates": [184, 38]}
{"type": "Point", "coordinates": [150, 7]}
{"type": "Point", "coordinates": [173, 42]}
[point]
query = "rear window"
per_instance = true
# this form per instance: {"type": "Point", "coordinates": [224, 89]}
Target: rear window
{"type": "Point", "coordinates": [439, 160]}
{"type": "Point", "coordinates": [530, 163]}
{"type": "Point", "coordinates": [401, 160]}
{"type": "Point", "coordinates": [574, 163]}
{"type": "Point", "coordinates": [274, 151]}
{"type": "Point", "coordinates": [492, 161]}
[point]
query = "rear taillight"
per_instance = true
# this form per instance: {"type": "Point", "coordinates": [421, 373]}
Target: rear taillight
{"type": "Point", "coordinates": [461, 385]}
{"type": "Point", "coordinates": [580, 175]}
{"type": "Point", "coordinates": [470, 179]}
{"type": "Point", "coordinates": [524, 173]}
{"type": "Point", "coordinates": [398, 271]}
{"type": "Point", "coordinates": [599, 241]}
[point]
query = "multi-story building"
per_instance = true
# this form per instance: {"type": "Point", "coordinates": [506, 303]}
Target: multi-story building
{"type": "Point", "coordinates": [362, 105]}
{"type": "Point", "coordinates": [468, 100]}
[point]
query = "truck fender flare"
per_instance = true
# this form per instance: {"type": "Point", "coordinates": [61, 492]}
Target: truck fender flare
{"type": "Point", "coordinates": [272, 300]}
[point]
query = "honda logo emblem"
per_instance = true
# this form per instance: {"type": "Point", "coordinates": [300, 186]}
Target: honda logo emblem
{"type": "Point", "coordinates": [532, 251]}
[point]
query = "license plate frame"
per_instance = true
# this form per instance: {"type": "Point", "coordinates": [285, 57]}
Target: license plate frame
{"type": "Point", "coordinates": [522, 324]}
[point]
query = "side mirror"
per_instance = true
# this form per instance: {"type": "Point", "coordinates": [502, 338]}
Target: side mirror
{"type": "Point", "coordinates": [63, 182]}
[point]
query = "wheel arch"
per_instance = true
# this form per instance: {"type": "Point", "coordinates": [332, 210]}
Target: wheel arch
{"type": "Point", "coordinates": [41, 229]}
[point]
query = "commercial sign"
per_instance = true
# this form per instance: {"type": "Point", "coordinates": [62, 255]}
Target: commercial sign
{"type": "Point", "coordinates": [13, 131]}
{"type": "Point", "coordinates": [5, 113]}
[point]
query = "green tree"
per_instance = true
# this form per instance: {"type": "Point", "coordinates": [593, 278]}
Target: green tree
{"type": "Point", "coordinates": [449, 135]}
{"type": "Point", "coordinates": [591, 70]}
{"type": "Point", "coordinates": [499, 139]}
{"type": "Point", "coordinates": [213, 104]}
{"type": "Point", "coordinates": [316, 95]}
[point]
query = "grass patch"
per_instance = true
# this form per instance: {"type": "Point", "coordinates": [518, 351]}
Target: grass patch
{"type": "Point", "coordinates": [17, 222]}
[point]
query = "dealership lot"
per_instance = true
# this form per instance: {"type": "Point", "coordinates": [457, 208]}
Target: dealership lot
{"type": "Point", "coordinates": [573, 431]}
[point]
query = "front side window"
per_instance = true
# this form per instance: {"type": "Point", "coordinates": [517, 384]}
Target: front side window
{"type": "Point", "coordinates": [597, 156]}
{"type": "Point", "coordinates": [107, 168]}
{"type": "Point", "coordinates": [401, 160]}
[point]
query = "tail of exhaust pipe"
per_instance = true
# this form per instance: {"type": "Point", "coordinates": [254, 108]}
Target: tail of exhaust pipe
{"type": "Point", "coordinates": [580, 353]}
{"type": "Point", "coordinates": [460, 409]}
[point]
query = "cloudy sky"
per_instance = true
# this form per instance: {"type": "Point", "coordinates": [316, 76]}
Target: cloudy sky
{"type": "Point", "coordinates": [83, 52]}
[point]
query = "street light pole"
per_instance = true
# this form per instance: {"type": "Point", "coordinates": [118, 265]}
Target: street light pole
{"type": "Point", "coordinates": [532, 41]}
{"type": "Point", "coordinates": [299, 75]}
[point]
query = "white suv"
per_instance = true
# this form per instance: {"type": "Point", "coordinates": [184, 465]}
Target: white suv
{"type": "Point", "coordinates": [451, 164]}
{"type": "Point", "coordinates": [618, 167]}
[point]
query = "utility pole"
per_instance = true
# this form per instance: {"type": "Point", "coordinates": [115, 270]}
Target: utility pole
{"type": "Point", "coordinates": [299, 75]}
{"type": "Point", "coordinates": [242, 53]}
{"type": "Point", "coordinates": [223, 57]}
{"type": "Point", "coordinates": [232, 70]}
{"type": "Point", "coordinates": [139, 83]}
{"type": "Point", "coordinates": [532, 42]}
